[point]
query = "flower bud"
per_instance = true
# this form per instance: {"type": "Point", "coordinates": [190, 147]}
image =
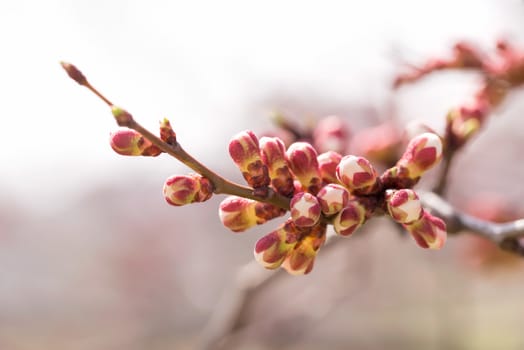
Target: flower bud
{"type": "Point", "coordinates": [331, 134]}
{"type": "Point", "coordinates": [422, 153]}
{"type": "Point", "coordinates": [379, 143]}
{"type": "Point", "coordinates": [305, 210]}
{"type": "Point", "coordinates": [167, 134]}
{"type": "Point", "coordinates": [301, 258]}
{"type": "Point", "coordinates": [429, 231]}
{"type": "Point", "coordinates": [271, 250]}
{"type": "Point", "coordinates": [302, 160]}
{"type": "Point", "coordinates": [185, 189]}
{"type": "Point", "coordinates": [350, 218]}
{"type": "Point", "coordinates": [122, 117]}
{"type": "Point", "coordinates": [332, 198]}
{"type": "Point", "coordinates": [273, 154]}
{"type": "Point", "coordinates": [128, 142]}
{"type": "Point", "coordinates": [244, 150]}
{"type": "Point", "coordinates": [237, 213]}
{"type": "Point", "coordinates": [327, 164]}
{"type": "Point", "coordinates": [356, 173]}
{"type": "Point", "coordinates": [403, 205]}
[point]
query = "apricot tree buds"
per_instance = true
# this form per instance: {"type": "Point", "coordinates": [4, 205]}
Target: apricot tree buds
{"type": "Point", "coordinates": [350, 218]}
{"type": "Point", "coordinates": [185, 189]}
{"type": "Point", "coordinates": [331, 134]}
{"type": "Point", "coordinates": [332, 198]}
{"type": "Point", "coordinates": [327, 165]}
{"type": "Point", "coordinates": [302, 159]}
{"type": "Point", "coordinates": [422, 153]}
{"type": "Point", "coordinates": [301, 258]}
{"type": "Point", "coordinates": [428, 231]}
{"type": "Point", "coordinates": [273, 153]}
{"type": "Point", "coordinates": [271, 250]}
{"type": "Point", "coordinates": [403, 205]}
{"type": "Point", "coordinates": [238, 214]}
{"type": "Point", "coordinates": [356, 173]}
{"type": "Point", "coordinates": [128, 142]}
{"type": "Point", "coordinates": [305, 210]}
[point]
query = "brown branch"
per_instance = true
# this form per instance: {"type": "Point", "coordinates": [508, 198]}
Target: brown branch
{"type": "Point", "coordinates": [508, 236]}
{"type": "Point", "coordinates": [220, 184]}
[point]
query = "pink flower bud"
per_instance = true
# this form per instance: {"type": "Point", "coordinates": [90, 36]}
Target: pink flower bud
{"type": "Point", "coordinates": [273, 153]}
{"type": "Point", "coordinates": [422, 153]}
{"type": "Point", "coordinates": [128, 142]}
{"type": "Point", "coordinates": [302, 160]}
{"type": "Point", "coordinates": [301, 258]}
{"type": "Point", "coordinates": [245, 152]}
{"type": "Point", "coordinates": [237, 213]}
{"type": "Point", "coordinates": [332, 198]}
{"type": "Point", "coordinates": [327, 164]}
{"type": "Point", "coordinates": [272, 249]}
{"type": "Point", "coordinates": [305, 210]}
{"type": "Point", "coordinates": [350, 218]}
{"type": "Point", "coordinates": [379, 143]}
{"type": "Point", "coordinates": [356, 173]}
{"type": "Point", "coordinates": [429, 231]}
{"type": "Point", "coordinates": [331, 134]}
{"type": "Point", "coordinates": [185, 189]}
{"type": "Point", "coordinates": [403, 205]}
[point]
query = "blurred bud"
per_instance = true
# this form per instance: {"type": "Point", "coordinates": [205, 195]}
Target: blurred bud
{"type": "Point", "coordinates": [128, 142]}
{"type": "Point", "coordinates": [350, 218]}
{"type": "Point", "coordinates": [272, 249]}
{"type": "Point", "coordinates": [265, 212]}
{"type": "Point", "coordinates": [273, 153]}
{"type": "Point", "coordinates": [305, 210]}
{"type": "Point", "coordinates": [429, 231]}
{"type": "Point", "coordinates": [356, 173]}
{"type": "Point", "coordinates": [237, 213]}
{"type": "Point", "coordinates": [185, 189]}
{"type": "Point", "coordinates": [301, 258]}
{"type": "Point", "coordinates": [245, 152]}
{"type": "Point", "coordinates": [422, 153]}
{"type": "Point", "coordinates": [403, 205]}
{"type": "Point", "coordinates": [167, 134]}
{"type": "Point", "coordinates": [122, 117]}
{"type": "Point", "coordinates": [302, 160]}
{"type": "Point", "coordinates": [331, 134]}
{"type": "Point", "coordinates": [332, 198]}
{"type": "Point", "coordinates": [379, 143]}
{"type": "Point", "coordinates": [327, 164]}
{"type": "Point", "coordinates": [74, 73]}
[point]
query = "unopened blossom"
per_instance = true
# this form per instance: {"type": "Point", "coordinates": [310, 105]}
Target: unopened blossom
{"type": "Point", "coordinates": [273, 153]}
{"type": "Point", "coordinates": [271, 250]}
{"type": "Point", "coordinates": [185, 189]}
{"type": "Point", "coordinates": [422, 153]}
{"type": "Point", "coordinates": [245, 152]}
{"type": "Point", "coordinates": [429, 231]}
{"type": "Point", "coordinates": [378, 143]}
{"type": "Point", "coordinates": [331, 134]}
{"type": "Point", "coordinates": [305, 209]}
{"type": "Point", "coordinates": [301, 258]}
{"type": "Point", "coordinates": [332, 198]}
{"type": "Point", "coordinates": [128, 142]}
{"type": "Point", "coordinates": [403, 205]}
{"type": "Point", "coordinates": [239, 214]}
{"type": "Point", "coordinates": [327, 165]}
{"type": "Point", "coordinates": [302, 160]}
{"type": "Point", "coordinates": [356, 173]}
{"type": "Point", "coordinates": [350, 218]}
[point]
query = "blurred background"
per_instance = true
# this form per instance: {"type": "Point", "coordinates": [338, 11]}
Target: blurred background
{"type": "Point", "coordinates": [91, 257]}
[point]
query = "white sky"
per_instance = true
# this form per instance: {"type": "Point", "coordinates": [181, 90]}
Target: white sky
{"type": "Point", "coordinates": [201, 63]}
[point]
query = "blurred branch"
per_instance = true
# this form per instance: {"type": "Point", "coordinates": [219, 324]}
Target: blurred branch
{"type": "Point", "coordinates": [508, 236]}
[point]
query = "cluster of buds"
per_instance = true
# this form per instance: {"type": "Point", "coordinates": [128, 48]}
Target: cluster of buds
{"type": "Point", "coordinates": [326, 189]}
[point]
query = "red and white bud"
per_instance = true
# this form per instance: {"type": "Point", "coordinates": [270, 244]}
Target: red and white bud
{"type": "Point", "coordinates": [301, 258]}
{"type": "Point", "coordinates": [356, 173]}
{"type": "Point", "coordinates": [404, 205]}
{"type": "Point", "coordinates": [128, 142]}
{"type": "Point", "coordinates": [327, 164]}
{"type": "Point", "coordinates": [305, 209]}
{"type": "Point", "coordinates": [185, 189]}
{"type": "Point", "coordinates": [245, 152]}
{"type": "Point", "coordinates": [237, 213]}
{"type": "Point", "coordinates": [429, 231]}
{"type": "Point", "coordinates": [271, 250]}
{"type": "Point", "coordinates": [302, 160]}
{"type": "Point", "coordinates": [331, 134]}
{"type": "Point", "coordinates": [332, 198]}
{"type": "Point", "coordinates": [422, 153]}
{"type": "Point", "coordinates": [350, 218]}
{"type": "Point", "coordinates": [273, 153]}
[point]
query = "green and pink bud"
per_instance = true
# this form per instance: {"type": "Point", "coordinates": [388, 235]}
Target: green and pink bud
{"type": "Point", "coordinates": [332, 198]}
{"type": "Point", "coordinates": [167, 134]}
{"type": "Point", "coordinates": [357, 174]}
{"type": "Point", "coordinates": [327, 165]}
{"type": "Point", "coordinates": [273, 153]}
{"type": "Point", "coordinates": [422, 153]}
{"type": "Point", "coordinates": [305, 209]}
{"type": "Point", "coordinates": [186, 189]}
{"type": "Point", "coordinates": [239, 214]}
{"type": "Point", "coordinates": [404, 205]}
{"type": "Point", "coordinates": [128, 142]}
{"type": "Point", "coordinates": [271, 250]}
{"type": "Point", "coordinates": [349, 219]}
{"type": "Point", "coordinates": [301, 258]}
{"type": "Point", "coordinates": [302, 160]}
{"type": "Point", "coordinates": [245, 152]}
{"type": "Point", "coordinates": [429, 231]}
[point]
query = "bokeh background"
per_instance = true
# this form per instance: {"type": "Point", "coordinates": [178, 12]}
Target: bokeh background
{"type": "Point", "coordinates": [91, 257]}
